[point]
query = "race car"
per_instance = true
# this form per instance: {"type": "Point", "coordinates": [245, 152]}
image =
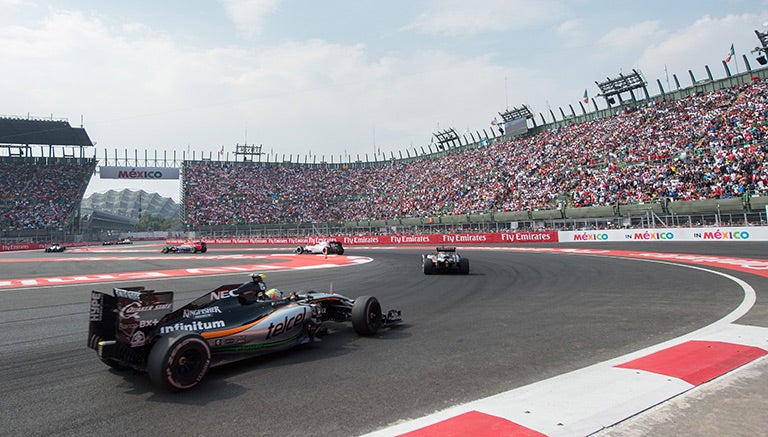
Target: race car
{"type": "Point", "coordinates": [186, 247]}
{"type": "Point", "coordinates": [324, 247]}
{"type": "Point", "coordinates": [55, 247]}
{"type": "Point", "coordinates": [125, 240]}
{"type": "Point", "coordinates": [444, 260]}
{"type": "Point", "coordinates": [136, 328]}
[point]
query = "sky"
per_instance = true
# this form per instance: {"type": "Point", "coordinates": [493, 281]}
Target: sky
{"type": "Point", "coordinates": [339, 79]}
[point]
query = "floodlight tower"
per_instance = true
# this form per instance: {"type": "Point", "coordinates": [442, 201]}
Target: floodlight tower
{"type": "Point", "coordinates": [615, 87]}
{"type": "Point", "coordinates": [763, 37]}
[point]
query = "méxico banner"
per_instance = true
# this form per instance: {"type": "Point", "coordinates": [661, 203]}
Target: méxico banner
{"type": "Point", "coordinates": [666, 234]}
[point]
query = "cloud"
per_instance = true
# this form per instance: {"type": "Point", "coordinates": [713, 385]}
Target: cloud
{"type": "Point", "coordinates": [704, 42]}
{"type": "Point", "coordinates": [630, 37]}
{"type": "Point", "coordinates": [249, 15]}
{"type": "Point", "coordinates": [458, 17]}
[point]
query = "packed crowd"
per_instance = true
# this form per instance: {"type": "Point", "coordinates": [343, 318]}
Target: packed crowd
{"type": "Point", "coordinates": [37, 194]}
{"type": "Point", "coordinates": [705, 146]}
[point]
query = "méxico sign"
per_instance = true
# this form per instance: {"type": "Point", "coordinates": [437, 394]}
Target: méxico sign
{"type": "Point", "coordinates": [138, 173]}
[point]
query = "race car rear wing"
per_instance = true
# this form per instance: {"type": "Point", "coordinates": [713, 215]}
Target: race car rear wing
{"type": "Point", "coordinates": [119, 315]}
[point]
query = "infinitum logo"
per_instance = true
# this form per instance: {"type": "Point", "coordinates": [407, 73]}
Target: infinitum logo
{"type": "Point", "coordinates": [193, 326]}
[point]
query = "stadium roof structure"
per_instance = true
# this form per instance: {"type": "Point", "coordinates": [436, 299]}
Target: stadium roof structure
{"type": "Point", "coordinates": [129, 203]}
{"type": "Point", "coordinates": [34, 131]}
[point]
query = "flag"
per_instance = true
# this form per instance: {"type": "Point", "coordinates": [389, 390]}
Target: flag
{"type": "Point", "coordinates": [221, 152]}
{"type": "Point", "coordinates": [586, 96]}
{"type": "Point", "coordinates": [731, 53]}
{"type": "Point", "coordinates": [493, 122]}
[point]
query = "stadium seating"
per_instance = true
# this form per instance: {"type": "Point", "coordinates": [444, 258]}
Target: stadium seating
{"type": "Point", "coordinates": [705, 146]}
{"type": "Point", "coordinates": [41, 193]}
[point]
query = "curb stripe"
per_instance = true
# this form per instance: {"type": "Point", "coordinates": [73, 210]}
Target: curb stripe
{"type": "Point", "coordinates": [696, 362]}
{"type": "Point", "coordinates": [475, 424]}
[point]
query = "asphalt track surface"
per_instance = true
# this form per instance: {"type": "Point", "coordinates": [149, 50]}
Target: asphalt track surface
{"type": "Point", "coordinates": [516, 319]}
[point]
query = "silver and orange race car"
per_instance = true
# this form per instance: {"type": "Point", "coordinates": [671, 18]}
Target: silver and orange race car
{"type": "Point", "coordinates": [136, 328]}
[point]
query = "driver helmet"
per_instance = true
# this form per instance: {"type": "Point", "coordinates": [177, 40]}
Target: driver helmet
{"type": "Point", "coordinates": [274, 294]}
{"type": "Point", "coordinates": [259, 276]}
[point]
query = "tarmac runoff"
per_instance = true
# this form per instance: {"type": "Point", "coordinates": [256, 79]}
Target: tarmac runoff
{"type": "Point", "coordinates": [594, 399]}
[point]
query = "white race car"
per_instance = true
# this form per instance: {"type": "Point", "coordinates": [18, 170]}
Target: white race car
{"type": "Point", "coordinates": [444, 260]}
{"type": "Point", "coordinates": [324, 247]}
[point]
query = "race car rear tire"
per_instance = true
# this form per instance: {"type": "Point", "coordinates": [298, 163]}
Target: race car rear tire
{"type": "Point", "coordinates": [179, 361]}
{"type": "Point", "coordinates": [165, 250]}
{"type": "Point", "coordinates": [340, 251]}
{"type": "Point", "coordinates": [366, 315]}
{"type": "Point", "coordinates": [427, 266]}
{"type": "Point", "coordinates": [464, 266]}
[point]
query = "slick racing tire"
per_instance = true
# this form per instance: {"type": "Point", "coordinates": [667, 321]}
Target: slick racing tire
{"type": "Point", "coordinates": [366, 315]}
{"type": "Point", "coordinates": [179, 361]}
{"type": "Point", "coordinates": [299, 250]}
{"type": "Point", "coordinates": [464, 266]}
{"type": "Point", "coordinates": [340, 251]}
{"type": "Point", "coordinates": [427, 266]}
{"type": "Point", "coordinates": [165, 250]}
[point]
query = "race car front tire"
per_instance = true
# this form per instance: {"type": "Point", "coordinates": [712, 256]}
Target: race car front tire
{"type": "Point", "coordinates": [366, 315]}
{"type": "Point", "coordinates": [299, 250]}
{"type": "Point", "coordinates": [179, 361]}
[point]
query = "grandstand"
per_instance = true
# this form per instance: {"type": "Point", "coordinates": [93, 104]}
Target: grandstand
{"type": "Point", "coordinates": [685, 157]}
{"type": "Point", "coordinates": [691, 161]}
{"type": "Point", "coordinates": [40, 195]}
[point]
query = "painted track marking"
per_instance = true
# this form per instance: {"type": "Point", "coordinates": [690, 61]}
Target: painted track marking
{"type": "Point", "coordinates": [281, 262]}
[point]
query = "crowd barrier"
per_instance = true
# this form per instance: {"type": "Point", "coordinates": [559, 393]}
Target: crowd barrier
{"type": "Point", "coordinates": [711, 234]}
{"type": "Point", "coordinates": [34, 246]}
{"type": "Point", "coordinates": [613, 235]}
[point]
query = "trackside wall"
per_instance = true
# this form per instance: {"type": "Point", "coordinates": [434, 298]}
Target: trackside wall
{"type": "Point", "coordinates": [747, 233]}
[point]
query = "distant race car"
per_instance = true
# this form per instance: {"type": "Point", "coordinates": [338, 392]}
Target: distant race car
{"type": "Point", "coordinates": [444, 260]}
{"type": "Point", "coordinates": [118, 241]}
{"type": "Point", "coordinates": [187, 247]}
{"type": "Point", "coordinates": [55, 247]}
{"type": "Point", "coordinates": [325, 247]}
{"type": "Point", "coordinates": [135, 328]}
